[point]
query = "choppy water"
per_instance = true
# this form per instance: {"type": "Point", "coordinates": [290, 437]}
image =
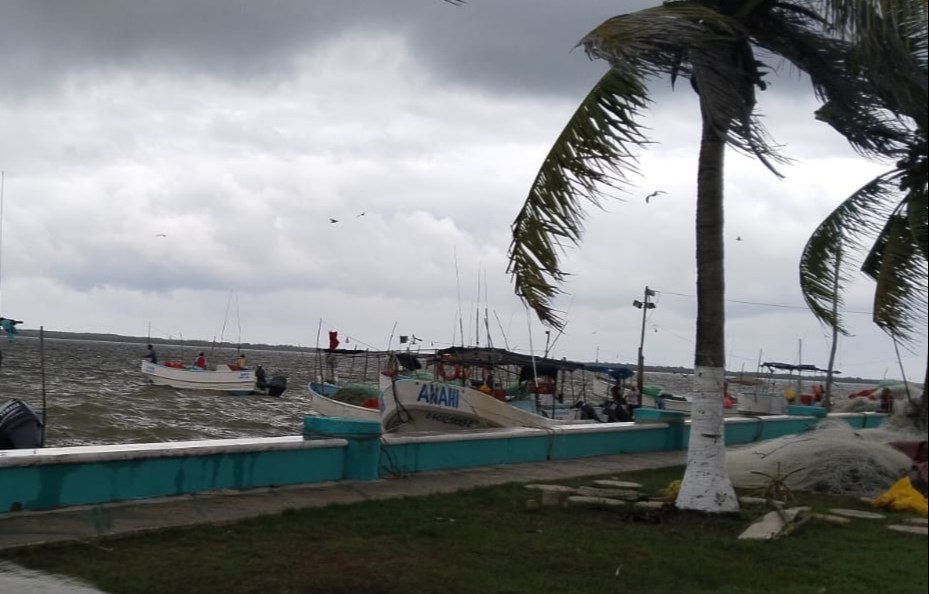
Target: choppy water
{"type": "Point", "coordinates": [96, 394]}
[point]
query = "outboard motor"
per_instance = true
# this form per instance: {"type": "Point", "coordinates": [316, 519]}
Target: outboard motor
{"type": "Point", "coordinates": [277, 385]}
{"type": "Point", "coordinates": [20, 428]}
{"type": "Point", "coordinates": [588, 412]}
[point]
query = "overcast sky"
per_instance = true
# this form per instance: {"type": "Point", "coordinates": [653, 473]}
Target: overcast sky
{"type": "Point", "coordinates": [176, 164]}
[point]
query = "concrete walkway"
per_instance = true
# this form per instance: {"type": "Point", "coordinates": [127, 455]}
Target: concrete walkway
{"type": "Point", "coordinates": [85, 523]}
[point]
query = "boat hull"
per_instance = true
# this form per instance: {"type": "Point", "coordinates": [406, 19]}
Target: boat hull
{"type": "Point", "coordinates": [325, 406]}
{"type": "Point", "coordinates": [415, 405]}
{"type": "Point", "coordinates": [240, 381]}
{"type": "Point", "coordinates": [751, 403]}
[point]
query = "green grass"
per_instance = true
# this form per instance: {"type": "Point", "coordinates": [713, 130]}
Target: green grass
{"type": "Point", "coordinates": [485, 541]}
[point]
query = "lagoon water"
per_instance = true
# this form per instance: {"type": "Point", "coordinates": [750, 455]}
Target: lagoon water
{"type": "Point", "coordinates": [95, 393]}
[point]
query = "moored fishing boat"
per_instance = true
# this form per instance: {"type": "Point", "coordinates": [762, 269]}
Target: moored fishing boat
{"type": "Point", "coordinates": [225, 378]}
{"type": "Point", "coordinates": [766, 398]}
{"type": "Point", "coordinates": [484, 387]}
{"type": "Point", "coordinates": [351, 401]}
{"type": "Point", "coordinates": [333, 397]}
{"type": "Point", "coordinates": [418, 405]}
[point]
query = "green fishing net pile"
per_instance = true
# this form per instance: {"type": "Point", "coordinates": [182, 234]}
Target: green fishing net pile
{"type": "Point", "coordinates": [355, 394]}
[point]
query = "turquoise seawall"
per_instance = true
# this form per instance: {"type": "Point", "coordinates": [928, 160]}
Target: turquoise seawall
{"type": "Point", "coordinates": [335, 449]}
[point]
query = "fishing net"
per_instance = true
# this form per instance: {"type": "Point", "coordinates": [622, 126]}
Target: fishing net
{"type": "Point", "coordinates": [830, 458]}
{"type": "Point", "coordinates": [355, 394]}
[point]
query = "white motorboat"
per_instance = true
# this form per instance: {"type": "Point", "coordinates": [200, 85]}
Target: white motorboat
{"type": "Point", "coordinates": [223, 378]}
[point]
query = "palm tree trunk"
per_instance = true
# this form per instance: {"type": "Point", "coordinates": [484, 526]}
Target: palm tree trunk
{"type": "Point", "coordinates": [706, 485]}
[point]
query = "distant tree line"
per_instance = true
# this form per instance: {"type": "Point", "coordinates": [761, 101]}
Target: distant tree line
{"type": "Point", "coordinates": [297, 349]}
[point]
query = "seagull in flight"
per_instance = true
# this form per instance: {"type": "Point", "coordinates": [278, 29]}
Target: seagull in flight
{"type": "Point", "coordinates": [331, 220]}
{"type": "Point", "coordinates": [360, 215]}
{"type": "Point", "coordinates": [738, 238]}
{"type": "Point", "coordinates": [653, 194]}
{"type": "Point", "coordinates": [161, 235]}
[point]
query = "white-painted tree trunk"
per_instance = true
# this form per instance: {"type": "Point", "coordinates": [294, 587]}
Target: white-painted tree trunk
{"type": "Point", "coordinates": [706, 486]}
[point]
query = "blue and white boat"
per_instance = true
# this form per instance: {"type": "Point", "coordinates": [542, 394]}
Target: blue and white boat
{"type": "Point", "coordinates": [412, 405]}
{"type": "Point", "coordinates": [475, 387]}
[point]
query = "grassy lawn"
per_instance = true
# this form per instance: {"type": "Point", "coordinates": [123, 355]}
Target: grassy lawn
{"type": "Point", "coordinates": [486, 541]}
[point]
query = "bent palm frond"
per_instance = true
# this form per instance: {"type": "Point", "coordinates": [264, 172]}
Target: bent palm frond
{"type": "Point", "coordinates": [899, 268]}
{"type": "Point", "coordinates": [868, 20]}
{"type": "Point", "coordinates": [918, 211]}
{"type": "Point", "coordinates": [850, 105]}
{"type": "Point", "coordinates": [696, 41]}
{"type": "Point", "coordinates": [828, 259]}
{"type": "Point", "coordinates": [595, 150]}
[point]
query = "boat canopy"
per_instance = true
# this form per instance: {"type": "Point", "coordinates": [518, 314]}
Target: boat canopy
{"type": "Point", "coordinates": [772, 365]}
{"type": "Point", "coordinates": [409, 361]}
{"type": "Point", "coordinates": [489, 357]}
{"type": "Point", "coordinates": [530, 366]}
{"type": "Point", "coordinates": [616, 372]}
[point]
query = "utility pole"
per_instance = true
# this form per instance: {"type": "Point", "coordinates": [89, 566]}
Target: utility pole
{"type": "Point", "coordinates": [644, 306]}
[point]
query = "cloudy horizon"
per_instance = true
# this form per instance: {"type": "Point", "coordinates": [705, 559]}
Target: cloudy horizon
{"type": "Point", "coordinates": [179, 165]}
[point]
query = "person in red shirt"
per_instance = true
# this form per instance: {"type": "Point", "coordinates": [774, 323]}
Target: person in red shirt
{"type": "Point", "coordinates": [200, 362]}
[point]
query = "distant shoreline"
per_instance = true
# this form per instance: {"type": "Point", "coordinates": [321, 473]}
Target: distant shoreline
{"type": "Point", "coordinates": [103, 337]}
{"type": "Point", "coordinates": [107, 337]}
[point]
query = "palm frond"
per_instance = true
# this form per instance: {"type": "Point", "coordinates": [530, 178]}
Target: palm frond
{"type": "Point", "coordinates": [899, 268]}
{"type": "Point", "coordinates": [850, 105]}
{"type": "Point", "coordinates": [865, 20]}
{"type": "Point", "coordinates": [596, 150]}
{"type": "Point", "coordinates": [690, 39]}
{"type": "Point", "coordinates": [918, 212]}
{"type": "Point", "coordinates": [829, 257]}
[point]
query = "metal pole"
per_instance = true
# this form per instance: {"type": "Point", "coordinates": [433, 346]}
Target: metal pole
{"type": "Point", "coordinates": [641, 374]}
{"type": "Point", "coordinates": [42, 368]}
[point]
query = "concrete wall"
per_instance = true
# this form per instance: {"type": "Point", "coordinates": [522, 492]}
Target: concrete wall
{"type": "Point", "coordinates": [61, 477]}
{"type": "Point", "coordinates": [337, 449]}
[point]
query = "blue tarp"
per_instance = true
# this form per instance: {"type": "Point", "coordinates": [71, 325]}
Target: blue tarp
{"type": "Point", "coordinates": [617, 373]}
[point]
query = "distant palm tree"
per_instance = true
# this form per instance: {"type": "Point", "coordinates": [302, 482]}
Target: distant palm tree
{"type": "Point", "coordinates": [713, 44]}
{"type": "Point", "coordinates": [891, 210]}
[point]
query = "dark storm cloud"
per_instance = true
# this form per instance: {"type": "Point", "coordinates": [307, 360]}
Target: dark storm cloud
{"type": "Point", "coordinates": [517, 46]}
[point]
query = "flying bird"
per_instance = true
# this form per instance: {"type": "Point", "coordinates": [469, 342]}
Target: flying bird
{"type": "Point", "coordinates": [653, 194]}
{"type": "Point", "coordinates": [360, 215]}
{"type": "Point", "coordinates": [331, 220]}
{"type": "Point", "coordinates": [738, 238]}
{"type": "Point", "coordinates": [161, 235]}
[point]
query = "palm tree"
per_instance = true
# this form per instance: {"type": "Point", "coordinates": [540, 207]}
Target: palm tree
{"type": "Point", "coordinates": [713, 44]}
{"type": "Point", "coordinates": [891, 210]}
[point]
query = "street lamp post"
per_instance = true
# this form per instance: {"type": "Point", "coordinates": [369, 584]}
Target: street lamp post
{"type": "Point", "coordinates": [644, 306]}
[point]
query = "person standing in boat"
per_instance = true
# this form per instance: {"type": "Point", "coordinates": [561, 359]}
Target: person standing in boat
{"type": "Point", "coordinates": [150, 354]}
{"type": "Point", "coordinates": [618, 411]}
{"type": "Point", "coordinates": [241, 362]}
{"type": "Point", "coordinates": [886, 401]}
{"type": "Point", "coordinates": [261, 380]}
{"type": "Point", "coordinates": [201, 361]}
{"type": "Point", "coordinates": [633, 398]}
